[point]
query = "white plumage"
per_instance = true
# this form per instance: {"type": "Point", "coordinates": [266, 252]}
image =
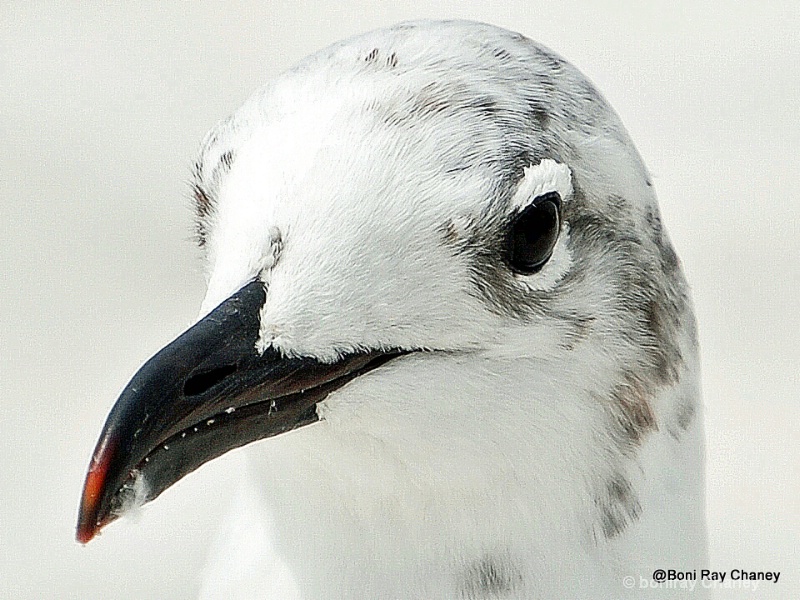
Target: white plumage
{"type": "Point", "coordinates": [546, 442]}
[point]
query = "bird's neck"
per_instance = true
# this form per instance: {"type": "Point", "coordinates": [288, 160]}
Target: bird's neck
{"type": "Point", "coordinates": [557, 512]}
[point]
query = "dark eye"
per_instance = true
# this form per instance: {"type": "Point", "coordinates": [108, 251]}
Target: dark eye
{"type": "Point", "coordinates": [533, 233]}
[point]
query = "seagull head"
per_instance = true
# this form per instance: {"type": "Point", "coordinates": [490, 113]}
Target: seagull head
{"type": "Point", "coordinates": [436, 269]}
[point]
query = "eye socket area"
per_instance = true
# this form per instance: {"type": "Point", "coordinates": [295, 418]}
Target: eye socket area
{"type": "Point", "coordinates": [533, 233]}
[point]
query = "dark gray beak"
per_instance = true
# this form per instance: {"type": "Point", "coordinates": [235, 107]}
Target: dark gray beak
{"type": "Point", "coordinates": [204, 394]}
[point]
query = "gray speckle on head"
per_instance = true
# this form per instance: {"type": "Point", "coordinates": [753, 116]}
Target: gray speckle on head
{"type": "Point", "coordinates": [630, 410]}
{"type": "Point", "coordinates": [548, 57]}
{"type": "Point", "coordinates": [203, 207]}
{"type": "Point", "coordinates": [490, 577]}
{"type": "Point", "coordinates": [617, 505]}
{"type": "Point", "coordinates": [225, 161]}
{"type": "Point", "coordinates": [381, 59]}
{"type": "Point", "coordinates": [441, 99]}
{"type": "Point", "coordinates": [669, 260]}
{"type": "Point", "coordinates": [685, 413]}
{"type": "Point", "coordinates": [502, 54]}
{"type": "Point", "coordinates": [204, 190]}
{"type": "Point", "coordinates": [579, 332]}
{"type": "Point", "coordinates": [682, 413]}
{"type": "Point", "coordinates": [540, 115]}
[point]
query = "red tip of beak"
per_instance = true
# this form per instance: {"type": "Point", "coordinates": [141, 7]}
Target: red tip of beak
{"type": "Point", "coordinates": [89, 520]}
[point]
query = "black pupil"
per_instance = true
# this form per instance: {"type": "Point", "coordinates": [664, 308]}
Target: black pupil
{"type": "Point", "coordinates": [534, 233]}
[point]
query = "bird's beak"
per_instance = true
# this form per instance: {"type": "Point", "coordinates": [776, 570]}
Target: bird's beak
{"type": "Point", "coordinates": [206, 393]}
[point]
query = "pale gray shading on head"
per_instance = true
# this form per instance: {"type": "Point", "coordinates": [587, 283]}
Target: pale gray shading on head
{"type": "Point", "coordinates": [541, 107]}
{"type": "Point", "coordinates": [519, 103]}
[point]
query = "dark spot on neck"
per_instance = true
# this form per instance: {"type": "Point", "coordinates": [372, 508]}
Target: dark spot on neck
{"type": "Point", "coordinates": [685, 411]}
{"type": "Point", "coordinates": [490, 577]}
{"type": "Point", "coordinates": [618, 506]}
{"type": "Point", "coordinates": [631, 409]}
{"type": "Point", "coordinates": [203, 207]}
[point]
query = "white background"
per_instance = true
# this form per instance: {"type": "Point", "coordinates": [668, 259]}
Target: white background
{"type": "Point", "coordinates": [101, 112]}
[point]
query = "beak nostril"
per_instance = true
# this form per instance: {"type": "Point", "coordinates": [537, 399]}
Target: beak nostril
{"type": "Point", "coordinates": [202, 382]}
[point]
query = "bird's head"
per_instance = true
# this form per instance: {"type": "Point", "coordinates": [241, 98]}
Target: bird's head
{"type": "Point", "coordinates": [435, 225]}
